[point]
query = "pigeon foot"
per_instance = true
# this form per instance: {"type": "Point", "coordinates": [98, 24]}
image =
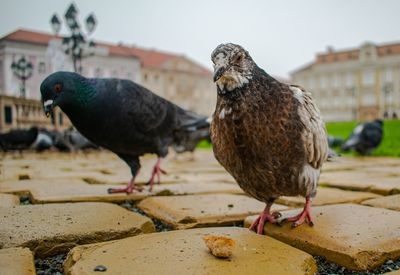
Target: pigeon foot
{"type": "Point", "coordinates": [128, 189]}
{"type": "Point", "coordinates": [266, 216]}
{"type": "Point", "coordinates": [157, 171]}
{"type": "Point", "coordinates": [304, 216]}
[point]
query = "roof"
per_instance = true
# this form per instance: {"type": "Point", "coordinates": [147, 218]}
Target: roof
{"type": "Point", "coordinates": [331, 56]}
{"type": "Point", "coordinates": [148, 57]}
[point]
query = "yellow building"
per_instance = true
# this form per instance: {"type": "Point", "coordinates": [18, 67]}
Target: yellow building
{"type": "Point", "coordinates": [355, 84]}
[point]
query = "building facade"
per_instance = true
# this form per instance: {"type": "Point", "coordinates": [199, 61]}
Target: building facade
{"type": "Point", "coordinates": [355, 84]}
{"type": "Point", "coordinates": [172, 76]}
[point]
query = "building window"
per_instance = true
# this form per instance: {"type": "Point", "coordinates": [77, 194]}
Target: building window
{"type": "Point", "coordinates": [368, 77]}
{"type": "Point", "coordinates": [369, 99]}
{"type": "Point", "coordinates": [324, 81]}
{"type": "Point", "coordinates": [42, 67]}
{"type": "Point", "coordinates": [349, 80]}
{"type": "Point", "coordinates": [60, 119]}
{"type": "Point", "coordinates": [336, 81]}
{"type": "Point", "coordinates": [388, 75]}
{"type": "Point", "coordinates": [8, 115]}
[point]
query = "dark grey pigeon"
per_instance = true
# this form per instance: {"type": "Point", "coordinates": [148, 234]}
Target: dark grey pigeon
{"type": "Point", "coordinates": [365, 137]}
{"type": "Point", "coordinates": [18, 139]}
{"type": "Point", "coordinates": [119, 115]}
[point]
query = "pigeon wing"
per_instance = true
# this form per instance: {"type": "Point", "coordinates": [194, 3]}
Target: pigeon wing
{"type": "Point", "coordinates": [314, 136]}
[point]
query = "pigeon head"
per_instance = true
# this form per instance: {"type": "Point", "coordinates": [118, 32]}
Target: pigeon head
{"type": "Point", "coordinates": [59, 89]}
{"type": "Point", "coordinates": [233, 66]}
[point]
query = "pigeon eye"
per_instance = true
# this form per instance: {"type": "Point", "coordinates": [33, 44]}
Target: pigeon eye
{"type": "Point", "coordinates": [57, 88]}
{"type": "Point", "coordinates": [238, 58]}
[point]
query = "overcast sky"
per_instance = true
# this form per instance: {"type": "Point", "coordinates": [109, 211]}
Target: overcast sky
{"type": "Point", "coordinates": [280, 35]}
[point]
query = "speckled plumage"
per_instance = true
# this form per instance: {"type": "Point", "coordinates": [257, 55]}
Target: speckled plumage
{"type": "Point", "coordinates": [268, 135]}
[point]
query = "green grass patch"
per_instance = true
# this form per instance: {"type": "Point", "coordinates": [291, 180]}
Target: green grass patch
{"type": "Point", "coordinates": [390, 145]}
{"type": "Point", "coordinates": [204, 144]}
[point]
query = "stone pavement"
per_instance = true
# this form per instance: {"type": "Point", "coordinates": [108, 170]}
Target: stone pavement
{"type": "Point", "coordinates": [49, 229]}
{"type": "Point", "coordinates": [357, 237]}
{"type": "Point", "coordinates": [357, 216]}
{"type": "Point", "coordinates": [16, 261]}
{"type": "Point", "coordinates": [182, 212]}
{"type": "Point", "coordinates": [184, 252]}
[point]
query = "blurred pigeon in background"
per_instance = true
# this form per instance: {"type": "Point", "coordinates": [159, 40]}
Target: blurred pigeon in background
{"type": "Point", "coordinates": [365, 137]}
{"type": "Point", "coordinates": [119, 115]}
{"type": "Point", "coordinates": [192, 136]}
{"type": "Point", "coordinates": [20, 139]}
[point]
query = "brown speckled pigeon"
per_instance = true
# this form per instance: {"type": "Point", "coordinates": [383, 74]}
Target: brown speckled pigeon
{"type": "Point", "coordinates": [268, 135]}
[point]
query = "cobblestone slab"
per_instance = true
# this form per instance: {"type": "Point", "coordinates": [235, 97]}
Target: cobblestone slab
{"type": "Point", "coordinates": [75, 190]}
{"type": "Point", "coordinates": [326, 195]}
{"type": "Point", "coordinates": [355, 236]}
{"type": "Point", "coordinates": [23, 187]}
{"type": "Point", "coordinates": [7, 200]}
{"type": "Point", "coordinates": [53, 228]}
{"type": "Point", "coordinates": [190, 211]}
{"type": "Point", "coordinates": [389, 202]}
{"type": "Point", "coordinates": [184, 252]}
{"type": "Point", "coordinates": [16, 261]}
{"type": "Point", "coordinates": [197, 188]}
{"type": "Point", "coordinates": [361, 181]}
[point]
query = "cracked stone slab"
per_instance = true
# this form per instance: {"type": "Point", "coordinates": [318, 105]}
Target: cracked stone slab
{"type": "Point", "coordinates": [16, 261]}
{"type": "Point", "coordinates": [355, 236]}
{"type": "Point", "coordinates": [7, 200]}
{"type": "Point", "coordinates": [76, 190]}
{"type": "Point", "coordinates": [389, 202]}
{"type": "Point", "coordinates": [53, 228]}
{"type": "Point", "coordinates": [88, 192]}
{"type": "Point", "coordinates": [182, 212]}
{"type": "Point", "coordinates": [361, 181]}
{"type": "Point", "coordinates": [23, 187]}
{"type": "Point", "coordinates": [326, 195]}
{"type": "Point", "coordinates": [184, 252]}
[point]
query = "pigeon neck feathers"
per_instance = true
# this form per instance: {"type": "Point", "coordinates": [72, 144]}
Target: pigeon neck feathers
{"type": "Point", "coordinates": [257, 75]}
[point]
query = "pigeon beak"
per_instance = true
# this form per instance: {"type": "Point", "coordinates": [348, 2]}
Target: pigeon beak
{"type": "Point", "coordinates": [218, 72]}
{"type": "Point", "coordinates": [48, 107]}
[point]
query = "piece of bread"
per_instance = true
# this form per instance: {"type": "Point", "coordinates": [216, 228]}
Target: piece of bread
{"type": "Point", "coordinates": [220, 247]}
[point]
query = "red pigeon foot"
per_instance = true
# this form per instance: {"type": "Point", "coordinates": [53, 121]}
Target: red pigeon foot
{"type": "Point", "coordinates": [304, 216]}
{"type": "Point", "coordinates": [128, 189]}
{"type": "Point", "coordinates": [266, 216]}
{"type": "Point", "coordinates": [157, 171]}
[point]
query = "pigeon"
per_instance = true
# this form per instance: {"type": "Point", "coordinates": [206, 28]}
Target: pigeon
{"type": "Point", "coordinates": [77, 141]}
{"type": "Point", "coordinates": [18, 139]}
{"type": "Point", "coordinates": [43, 140]}
{"type": "Point", "coordinates": [188, 143]}
{"type": "Point", "coordinates": [365, 137]}
{"type": "Point", "coordinates": [268, 135]}
{"type": "Point", "coordinates": [119, 115]}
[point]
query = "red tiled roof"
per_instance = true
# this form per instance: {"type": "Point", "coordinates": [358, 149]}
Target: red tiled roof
{"type": "Point", "coordinates": [149, 58]}
{"type": "Point", "coordinates": [29, 37]}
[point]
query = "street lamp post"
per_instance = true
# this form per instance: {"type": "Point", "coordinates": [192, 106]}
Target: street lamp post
{"type": "Point", "coordinates": [23, 70]}
{"type": "Point", "coordinates": [76, 45]}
